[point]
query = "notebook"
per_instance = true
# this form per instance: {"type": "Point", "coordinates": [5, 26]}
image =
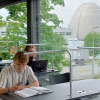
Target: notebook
{"type": "Point", "coordinates": [39, 65]}
{"type": "Point", "coordinates": [32, 91]}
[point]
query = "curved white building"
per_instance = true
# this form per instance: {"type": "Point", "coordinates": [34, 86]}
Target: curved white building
{"type": "Point", "coordinates": [87, 15]}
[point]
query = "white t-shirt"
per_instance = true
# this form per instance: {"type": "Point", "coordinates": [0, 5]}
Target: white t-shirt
{"type": "Point", "coordinates": [9, 76]}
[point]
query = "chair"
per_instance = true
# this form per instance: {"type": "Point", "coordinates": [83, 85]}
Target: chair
{"type": "Point", "coordinates": [59, 78]}
{"type": "Point", "coordinates": [0, 59]}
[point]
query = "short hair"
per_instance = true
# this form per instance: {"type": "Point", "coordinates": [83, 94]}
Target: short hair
{"type": "Point", "coordinates": [21, 58]}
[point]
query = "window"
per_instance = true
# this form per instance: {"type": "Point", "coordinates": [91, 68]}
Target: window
{"type": "Point", "coordinates": [3, 32]}
{"type": "Point", "coordinates": [66, 33]}
{"type": "Point", "coordinates": [69, 33]}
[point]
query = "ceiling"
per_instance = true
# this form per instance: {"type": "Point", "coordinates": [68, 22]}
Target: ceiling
{"type": "Point", "coordinates": [4, 3]}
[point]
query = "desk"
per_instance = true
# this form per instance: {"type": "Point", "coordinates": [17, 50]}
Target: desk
{"type": "Point", "coordinates": [61, 91]}
{"type": "Point", "coordinates": [42, 76]}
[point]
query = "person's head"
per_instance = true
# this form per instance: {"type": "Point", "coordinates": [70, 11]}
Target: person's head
{"type": "Point", "coordinates": [20, 61]}
{"type": "Point", "coordinates": [30, 48]}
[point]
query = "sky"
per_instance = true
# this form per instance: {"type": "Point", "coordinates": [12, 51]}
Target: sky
{"type": "Point", "coordinates": [66, 13]}
{"type": "Point", "coordinates": [3, 12]}
{"type": "Point", "coordinates": [63, 13]}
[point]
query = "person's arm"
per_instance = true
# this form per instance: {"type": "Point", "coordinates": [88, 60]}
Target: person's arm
{"type": "Point", "coordinates": [10, 89]}
{"type": "Point", "coordinates": [34, 83]}
{"type": "Point", "coordinates": [4, 81]}
{"type": "Point", "coordinates": [31, 78]}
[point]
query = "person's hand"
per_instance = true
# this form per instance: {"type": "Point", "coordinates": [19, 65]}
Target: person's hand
{"type": "Point", "coordinates": [15, 88]}
{"type": "Point", "coordinates": [34, 55]}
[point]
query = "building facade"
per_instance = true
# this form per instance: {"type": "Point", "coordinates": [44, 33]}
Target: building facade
{"type": "Point", "coordinates": [72, 43]}
{"type": "Point", "coordinates": [65, 32]}
{"type": "Point", "coordinates": [3, 31]}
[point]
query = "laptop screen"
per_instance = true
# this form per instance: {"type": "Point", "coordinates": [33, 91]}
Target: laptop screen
{"type": "Point", "coordinates": [39, 65]}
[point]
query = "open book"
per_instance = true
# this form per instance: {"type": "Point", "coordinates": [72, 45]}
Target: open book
{"type": "Point", "coordinates": [32, 91]}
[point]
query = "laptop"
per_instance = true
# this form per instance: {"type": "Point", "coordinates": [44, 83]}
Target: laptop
{"type": "Point", "coordinates": [39, 65]}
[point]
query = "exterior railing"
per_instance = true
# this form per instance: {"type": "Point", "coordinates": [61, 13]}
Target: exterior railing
{"type": "Point", "coordinates": [93, 57]}
{"type": "Point", "coordinates": [10, 46]}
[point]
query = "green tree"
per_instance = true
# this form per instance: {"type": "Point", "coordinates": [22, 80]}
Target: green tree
{"type": "Point", "coordinates": [17, 24]}
{"type": "Point", "coordinates": [3, 51]}
{"type": "Point", "coordinates": [88, 42]}
{"type": "Point", "coordinates": [17, 28]}
{"type": "Point", "coordinates": [2, 23]}
{"type": "Point", "coordinates": [56, 44]}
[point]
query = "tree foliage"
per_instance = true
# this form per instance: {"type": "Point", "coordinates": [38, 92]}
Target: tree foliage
{"type": "Point", "coordinates": [88, 42]}
{"type": "Point", "coordinates": [17, 28]}
{"type": "Point", "coordinates": [46, 7]}
{"type": "Point", "coordinates": [2, 23]}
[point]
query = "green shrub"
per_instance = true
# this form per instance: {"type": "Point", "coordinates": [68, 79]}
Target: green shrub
{"type": "Point", "coordinates": [66, 63]}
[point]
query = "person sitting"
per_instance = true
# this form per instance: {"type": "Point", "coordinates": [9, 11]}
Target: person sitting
{"type": "Point", "coordinates": [32, 57]}
{"type": "Point", "coordinates": [17, 72]}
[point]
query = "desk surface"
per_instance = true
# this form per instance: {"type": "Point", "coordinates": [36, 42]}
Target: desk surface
{"type": "Point", "coordinates": [61, 91]}
{"type": "Point", "coordinates": [6, 61]}
{"type": "Point", "coordinates": [47, 71]}
{"type": "Point", "coordinates": [42, 76]}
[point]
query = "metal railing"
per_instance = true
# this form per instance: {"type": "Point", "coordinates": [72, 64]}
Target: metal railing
{"type": "Point", "coordinates": [93, 57]}
{"type": "Point", "coordinates": [57, 51]}
{"type": "Point", "coordinates": [40, 45]}
{"type": "Point", "coordinates": [10, 46]}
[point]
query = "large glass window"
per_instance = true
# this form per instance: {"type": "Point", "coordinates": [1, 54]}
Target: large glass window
{"type": "Point", "coordinates": [78, 25]}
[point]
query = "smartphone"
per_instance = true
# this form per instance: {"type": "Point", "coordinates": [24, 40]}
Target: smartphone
{"type": "Point", "coordinates": [20, 83]}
